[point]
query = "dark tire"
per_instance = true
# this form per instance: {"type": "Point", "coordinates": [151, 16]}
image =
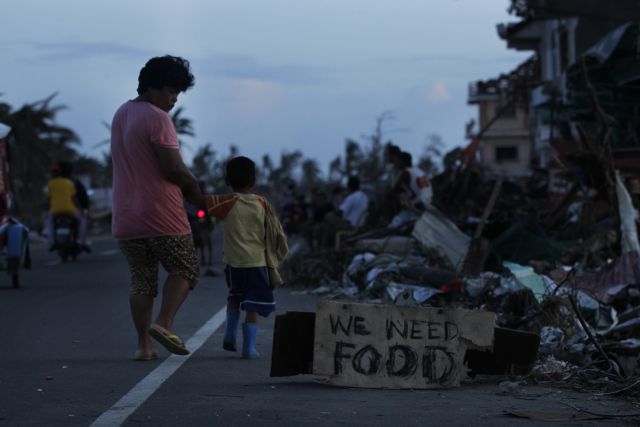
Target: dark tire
{"type": "Point", "coordinates": [15, 280]}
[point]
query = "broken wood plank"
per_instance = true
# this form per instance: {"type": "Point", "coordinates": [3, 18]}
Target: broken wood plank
{"type": "Point", "coordinates": [514, 353]}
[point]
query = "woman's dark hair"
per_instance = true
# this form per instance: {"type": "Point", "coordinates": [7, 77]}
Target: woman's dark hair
{"type": "Point", "coordinates": [241, 173]}
{"type": "Point", "coordinates": [167, 70]}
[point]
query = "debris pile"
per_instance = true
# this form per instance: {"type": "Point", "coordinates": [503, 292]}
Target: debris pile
{"type": "Point", "coordinates": [568, 271]}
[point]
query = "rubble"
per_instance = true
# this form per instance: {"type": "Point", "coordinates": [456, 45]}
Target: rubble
{"type": "Point", "coordinates": [578, 294]}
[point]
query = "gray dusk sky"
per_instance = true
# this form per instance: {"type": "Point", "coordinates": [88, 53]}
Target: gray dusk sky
{"type": "Point", "coordinates": [271, 75]}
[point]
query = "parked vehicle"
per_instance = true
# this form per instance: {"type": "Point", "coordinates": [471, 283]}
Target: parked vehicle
{"type": "Point", "coordinates": [14, 243]}
{"type": "Point", "coordinates": [14, 236]}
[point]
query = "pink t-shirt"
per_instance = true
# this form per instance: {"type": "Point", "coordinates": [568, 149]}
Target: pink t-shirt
{"type": "Point", "coordinates": [145, 204]}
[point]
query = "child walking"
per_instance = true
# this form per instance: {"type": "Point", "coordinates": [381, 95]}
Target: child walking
{"type": "Point", "coordinates": [254, 244]}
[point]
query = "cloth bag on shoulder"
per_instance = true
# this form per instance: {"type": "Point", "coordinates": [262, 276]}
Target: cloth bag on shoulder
{"type": "Point", "coordinates": [276, 244]}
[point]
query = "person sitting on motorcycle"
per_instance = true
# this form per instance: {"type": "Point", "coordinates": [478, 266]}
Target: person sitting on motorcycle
{"type": "Point", "coordinates": [82, 203]}
{"type": "Point", "coordinates": [62, 201]}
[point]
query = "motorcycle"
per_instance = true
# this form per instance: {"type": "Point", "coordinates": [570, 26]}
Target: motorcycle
{"type": "Point", "coordinates": [65, 237]}
{"type": "Point", "coordinates": [201, 228]}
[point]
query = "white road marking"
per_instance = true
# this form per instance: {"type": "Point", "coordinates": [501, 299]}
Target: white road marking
{"type": "Point", "coordinates": [110, 252]}
{"type": "Point", "coordinates": [52, 263]}
{"type": "Point", "coordinates": [120, 411]}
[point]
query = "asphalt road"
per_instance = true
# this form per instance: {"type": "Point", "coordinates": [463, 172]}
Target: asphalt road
{"type": "Point", "coordinates": [67, 342]}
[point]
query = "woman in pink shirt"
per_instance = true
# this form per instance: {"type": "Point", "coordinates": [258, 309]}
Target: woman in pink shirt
{"type": "Point", "coordinates": [150, 182]}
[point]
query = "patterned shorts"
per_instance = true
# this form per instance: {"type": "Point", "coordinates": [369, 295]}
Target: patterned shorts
{"type": "Point", "coordinates": [177, 254]}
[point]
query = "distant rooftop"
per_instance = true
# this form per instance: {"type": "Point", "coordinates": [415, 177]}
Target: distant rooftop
{"type": "Point", "coordinates": [516, 83]}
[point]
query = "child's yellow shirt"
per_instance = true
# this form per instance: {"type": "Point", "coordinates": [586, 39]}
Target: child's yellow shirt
{"type": "Point", "coordinates": [244, 227]}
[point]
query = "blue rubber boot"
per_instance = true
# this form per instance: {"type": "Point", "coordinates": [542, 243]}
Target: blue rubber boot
{"type": "Point", "coordinates": [231, 329]}
{"type": "Point", "coordinates": [249, 331]}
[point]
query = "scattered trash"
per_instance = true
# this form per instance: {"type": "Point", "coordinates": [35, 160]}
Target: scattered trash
{"type": "Point", "coordinates": [321, 290]}
{"type": "Point", "coordinates": [434, 230]}
{"type": "Point", "coordinates": [551, 339]}
{"type": "Point", "coordinates": [550, 368]}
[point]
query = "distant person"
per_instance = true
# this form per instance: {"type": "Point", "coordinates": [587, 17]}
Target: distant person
{"type": "Point", "coordinates": [301, 211]}
{"type": "Point", "coordinates": [320, 206]}
{"type": "Point", "coordinates": [149, 218]}
{"type": "Point", "coordinates": [249, 253]}
{"type": "Point", "coordinates": [289, 207]}
{"type": "Point", "coordinates": [392, 159]}
{"type": "Point", "coordinates": [351, 214]}
{"type": "Point", "coordinates": [354, 207]}
{"type": "Point", "coordinates": [414, 184]}
{"type": "Point", "coordinates": [201, 227]}
{"type": "Point", "coordinates": [82, 199]}
{"type": "Point", "coordinates": [62, 201]}
{"type": "Point", "coordinates": [391, 156]}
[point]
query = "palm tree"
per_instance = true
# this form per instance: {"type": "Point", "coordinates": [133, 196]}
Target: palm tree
{"type": "Point", "coordinates": [203, 161]}
{"type": "Point", "coordinates": [335, 170]}
{"type": "Point", "coordinates": [183, 125]}
{"type": "Point", "coordinates": [283, 174]}
{"type": "Point", "coordinates": [36, 142]}
{"type": "Point", "coordinates": [209, 168]}
{"type": "Point", "coordinates": [266, 170]}
{"type": "Point", "coordinates": [310, 174]}
{"type": "Point", "coordinates": [372, 166]}
{"type": "Point", "coordinates": [352, 157]}
{"type": "Point", "coordinates": [432, 152]}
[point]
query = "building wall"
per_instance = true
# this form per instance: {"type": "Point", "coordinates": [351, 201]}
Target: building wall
{"type": "Point", "coordinates": [505, 147]}
{"type": "Point", "coordinates": [511, 120]}
{"type": "Point", "coordinates": [491, 148]}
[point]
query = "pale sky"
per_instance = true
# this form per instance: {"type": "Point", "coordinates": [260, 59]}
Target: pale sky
{"type": "Point", "coordinates": [271, 75]}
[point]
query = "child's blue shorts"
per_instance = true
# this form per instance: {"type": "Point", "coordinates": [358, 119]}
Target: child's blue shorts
{"type": "Point", "coordinates": [250, 287]}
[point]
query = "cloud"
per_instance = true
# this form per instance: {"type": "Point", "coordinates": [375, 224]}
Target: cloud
{"type": "Point", "coordinates": [439, 92]}
{"type": "Point", "coordinates": [469, 59]}
{"type": "Point", "coordinates": [81, 50]}
{"type": "Point", "coordinates": [252, 99]}
{"type": "Point", "coordinates": [248, 68]}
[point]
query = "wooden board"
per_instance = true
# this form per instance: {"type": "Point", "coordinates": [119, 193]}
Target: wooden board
{"type": "Point", "coordinates": [292, 352]}
{"type": "Point", "coordinates": [386, 346]}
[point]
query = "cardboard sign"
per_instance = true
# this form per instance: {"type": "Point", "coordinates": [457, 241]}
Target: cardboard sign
{"type": "Point", "coordinates": [385, 346]}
